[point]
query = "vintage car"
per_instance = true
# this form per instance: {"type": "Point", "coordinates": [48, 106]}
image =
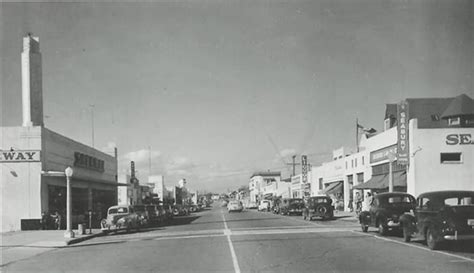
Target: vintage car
{"type": "Point", "coordinates": [385, 211]}
{"type": "Point", "coordinates": [120, 218]}
{"type": "Point", "coordinates": [265, 205]}
{"type": "Point", "coordinates": [290, 206]}
{"type": "Point", "coordinates": [180, 210]}
{"type": "Point", "coordinates": [318, 206]}
{"type": "Point", "coordinates": [440, 217]}
{"type": "Point", "coordinates": [235, 205]}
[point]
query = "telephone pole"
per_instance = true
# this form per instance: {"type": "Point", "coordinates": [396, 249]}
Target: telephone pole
{"type": "Point", "coordinates": [294, 164]}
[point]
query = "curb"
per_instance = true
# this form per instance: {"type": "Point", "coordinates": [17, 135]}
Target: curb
{"type": "Point", "coordinates": [83, 238]}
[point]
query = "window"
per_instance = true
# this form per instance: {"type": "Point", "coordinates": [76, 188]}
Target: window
{"type": "Point", "coordinates": [346, 165]}
{"type": "Point", "coordinates": [447, 158]}
{"type": "Point", "coordinates": [454, 121]}
{"type": "Point", "coordinates": [321, 183]}
{"type": "Point", "coordinates": [425, 204]}
{"type": "Point", "coordinates": [386, 124]}
{"type": "Point", "coordinates": [363, 161]}
{"type": "Point", "coordinates": [435, 117]}
{"type": "Point", "coordinates": [355, 162]}
{"type": "Point", "coordinates": [352, 163]}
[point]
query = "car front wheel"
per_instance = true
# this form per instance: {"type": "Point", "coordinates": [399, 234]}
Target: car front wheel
{"type": "Point", "coordinates": [364, 228]}
{"type": "Point", "coordinates": [382, 228]}
{"type": "Point", "coordinates": [431, 241]}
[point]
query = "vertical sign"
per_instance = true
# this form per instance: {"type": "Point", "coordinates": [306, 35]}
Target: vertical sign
{"type": "Point", "coordinates": [403, 157]}
{"type": "Point", "coordinates": [304, 166]}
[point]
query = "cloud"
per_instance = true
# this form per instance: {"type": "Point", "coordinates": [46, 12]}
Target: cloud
{"type": "Point", "coordinates": [141, 156]}
{"type": "Point", "coordinates": [287, 152]}
{"type": "Point", "coordinates": [180, 163]}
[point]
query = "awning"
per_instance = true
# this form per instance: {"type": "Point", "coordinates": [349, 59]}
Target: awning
{"type": "Point", "coordinates": [381, 181]}
{"type": "Point", "coordinates": [333, 188]}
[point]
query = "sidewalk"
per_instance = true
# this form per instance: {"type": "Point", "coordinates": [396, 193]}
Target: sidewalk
{"type": "Point", "coordinates": [346, 216]}
{"type": "Point", "coordinates": [18, 245]}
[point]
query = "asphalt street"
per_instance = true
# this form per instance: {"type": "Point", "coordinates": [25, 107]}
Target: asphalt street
{"type": "Point", "coordinates": [217, 241]}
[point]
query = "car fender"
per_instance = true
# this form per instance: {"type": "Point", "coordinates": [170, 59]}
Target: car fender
{"type": "Point", "coordinates": [408, 221]}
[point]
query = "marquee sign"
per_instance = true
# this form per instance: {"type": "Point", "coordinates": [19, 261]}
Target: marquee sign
{"type": "Point", "coordinates": [20, 156]}
{"type": "Point", "coordinates": [403, 154]}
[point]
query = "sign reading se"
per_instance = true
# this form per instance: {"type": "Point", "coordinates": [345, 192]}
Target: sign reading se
{"type": "Point", "coordinates": [459, 139]}
{"type": "Point", "coordinates": [20, 156]}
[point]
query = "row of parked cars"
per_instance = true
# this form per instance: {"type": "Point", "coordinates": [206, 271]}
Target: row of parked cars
{"type": "Point", "coordinates": [134, 217]}
{"type": "Point", "coordinates": [309, 208]}
{"type": "Point", "coordinates": [434, 217]}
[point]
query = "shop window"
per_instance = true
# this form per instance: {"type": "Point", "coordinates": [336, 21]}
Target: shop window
{"type": "Point", "coordinates": [454, 121]}
{"type": "Point", "coordinates": [447, 158]}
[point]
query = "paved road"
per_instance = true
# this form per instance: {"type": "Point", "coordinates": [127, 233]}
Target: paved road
{"type": "Point", "coordinates": [251, 241]}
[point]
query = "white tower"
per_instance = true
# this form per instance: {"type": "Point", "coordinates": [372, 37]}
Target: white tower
{"type": "Point", "coordinates": [31, 82]}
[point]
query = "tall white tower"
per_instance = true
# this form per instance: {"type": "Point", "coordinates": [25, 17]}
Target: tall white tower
{"type": "Point", "coordinates": [31, 82]}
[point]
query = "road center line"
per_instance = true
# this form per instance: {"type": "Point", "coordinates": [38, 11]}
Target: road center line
{"type": "Point", "coordinates": [415, 246]}
{"type": "Point", "coordinates": [227, 232]}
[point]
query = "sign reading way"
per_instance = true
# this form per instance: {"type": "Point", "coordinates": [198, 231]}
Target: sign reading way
{"type": "Point", "coordinates": [20, 156]}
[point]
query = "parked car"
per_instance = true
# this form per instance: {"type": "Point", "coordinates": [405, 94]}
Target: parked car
{"type": "Point", "coordinates": [385, 211]}
{"type": "Point", "coordinates": [120, 218]}
{"type": "Point", "coordinates": [264, 205]}
{"type": "Point", "coordinates": [235, 205]}
{"type": "Point", "coordinates": [168, 209]}
{"type": "Point", "coordinates": [291, 206]}
{"type": "Point", "coordinates": [180, 210]}
{"type": "Point", "coordinates": [441, 216]}
{"type": "Point", "coordinates": [318, 206]}
{"type": "Point", "coordinates": [252, 205]}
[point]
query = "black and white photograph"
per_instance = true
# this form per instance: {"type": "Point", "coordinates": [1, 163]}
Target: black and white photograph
{"type": "Point", "coordinates": [237, 136]}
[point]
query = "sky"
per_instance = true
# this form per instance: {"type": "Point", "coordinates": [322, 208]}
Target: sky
{"type": "Point", "coordinates": [213, 91]}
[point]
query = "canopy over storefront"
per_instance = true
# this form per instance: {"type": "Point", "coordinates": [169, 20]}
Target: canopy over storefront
{"type": "Point", "coordinates": [333, 188]}
{"type": "Point", "coordinates": [379, 182]}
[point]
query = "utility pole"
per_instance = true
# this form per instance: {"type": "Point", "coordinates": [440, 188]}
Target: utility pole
{"type": "Point", "coordinates": [294, 164]}
{"type": "Point", "coordinates": [149, 160]}
{"type": "Point", "coordinates": [92, 122]}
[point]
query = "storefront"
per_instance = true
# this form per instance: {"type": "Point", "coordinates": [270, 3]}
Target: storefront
{"type": "Point", "coordinates": [33, 181]}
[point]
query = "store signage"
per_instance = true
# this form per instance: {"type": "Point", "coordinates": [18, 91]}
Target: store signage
{"type": "Point", "coordinates": [295, 179]}
{"type": "Point", "coordinates": [20, 156]}
{"type": "Point", "coordinates": [459, 139]}
{"type": "Point", "coordinates": [382, 154]}
{"type": "Point", "coordinates": [304, 168]}
{"type": "Point", "coordinates": [403, 155]}
{"type": "Point", "coordinates": [88, 162]}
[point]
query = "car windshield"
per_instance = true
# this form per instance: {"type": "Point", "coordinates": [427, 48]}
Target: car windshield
{"type": "Point", "coordinates": [318, 200]}
{"type": "Point", "coordinates": [400, 200]}
{"type": "Point", "coordinates": [459, 201]}
{"type": "Point", "coordinates": [118, 210]}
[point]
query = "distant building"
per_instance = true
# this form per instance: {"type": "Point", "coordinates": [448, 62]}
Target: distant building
{"type": "Point", "coordinates": [264, 185]}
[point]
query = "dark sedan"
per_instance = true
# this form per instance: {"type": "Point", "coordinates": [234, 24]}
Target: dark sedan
{"type": "Point", "coordinates": [385, 211]}
{"type": "Point", "coordinates": [441, 216]}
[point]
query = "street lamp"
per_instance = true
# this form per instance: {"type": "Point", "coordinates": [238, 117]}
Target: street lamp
{"type": "Point", "coordinates": [69, 233]}
{"type": "Point", "coordinates": [391, 159]}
